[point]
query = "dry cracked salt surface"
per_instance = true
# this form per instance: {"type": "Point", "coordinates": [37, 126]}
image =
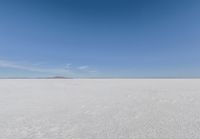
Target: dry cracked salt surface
{"type": "Point", "coordinates": [100, 109]}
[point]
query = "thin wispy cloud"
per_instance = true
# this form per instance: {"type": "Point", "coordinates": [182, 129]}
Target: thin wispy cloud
{"type": "Point", "coordinates": [85, 67]}
{"type": "Point", "coordinates": [67, 70]}
{"type": "Point", "coordinates": [14, 65]}
{"type": "Point", "coordinates": [68, 67]}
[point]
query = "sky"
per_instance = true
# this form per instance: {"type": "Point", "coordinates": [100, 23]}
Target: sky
{"type": "Point", "coordinates": [100, 38]}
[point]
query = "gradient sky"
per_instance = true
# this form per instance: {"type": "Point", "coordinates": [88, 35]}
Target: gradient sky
{"type": "Point", "coordinates": [100, 38]}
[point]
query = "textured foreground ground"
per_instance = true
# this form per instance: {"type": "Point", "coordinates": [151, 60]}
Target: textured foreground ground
{"type": "Point", "coordinates": [100, 109]}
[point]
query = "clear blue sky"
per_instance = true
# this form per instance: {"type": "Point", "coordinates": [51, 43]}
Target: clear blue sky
{"type": "Point", "coordinates": [100, 38]}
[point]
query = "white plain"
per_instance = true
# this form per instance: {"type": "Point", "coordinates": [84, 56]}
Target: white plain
{"type": "Point", "coordinates": [100, 109]}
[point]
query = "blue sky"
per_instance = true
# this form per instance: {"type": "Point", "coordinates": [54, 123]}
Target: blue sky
{"type": "Point", "coordinates": [100, 38]}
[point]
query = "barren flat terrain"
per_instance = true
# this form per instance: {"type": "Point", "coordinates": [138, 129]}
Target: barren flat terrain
{"type": "Point", "coordinates": [100, 109]}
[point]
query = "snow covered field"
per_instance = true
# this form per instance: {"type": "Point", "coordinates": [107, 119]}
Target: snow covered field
{"type": "Point", "coordinates": [100, 109]}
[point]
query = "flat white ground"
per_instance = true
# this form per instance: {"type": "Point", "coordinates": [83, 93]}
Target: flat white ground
{"type": "Point", "coordinates": [100, 109]}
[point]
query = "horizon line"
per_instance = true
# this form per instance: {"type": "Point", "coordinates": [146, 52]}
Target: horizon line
{"type": "Point", "coordinates": [63, 77]}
